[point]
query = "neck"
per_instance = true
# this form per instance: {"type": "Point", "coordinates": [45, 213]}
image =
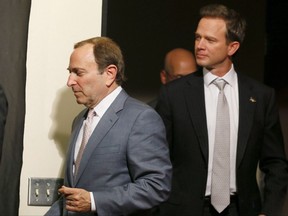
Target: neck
{"type": "Point", "coordinates": [222, 70]}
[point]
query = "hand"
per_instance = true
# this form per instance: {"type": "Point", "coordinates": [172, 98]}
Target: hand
{"type": "Point", "coordinates": [77, 200]}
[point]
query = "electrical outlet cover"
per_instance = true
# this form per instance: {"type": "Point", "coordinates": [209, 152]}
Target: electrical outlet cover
{"type": "Point", "coordinates": [43, 191]}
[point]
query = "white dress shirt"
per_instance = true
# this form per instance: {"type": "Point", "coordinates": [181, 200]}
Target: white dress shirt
{"type": "Point", "coordinates": [211, 98]}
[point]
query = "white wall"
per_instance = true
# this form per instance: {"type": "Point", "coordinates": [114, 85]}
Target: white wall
{"type": "Point", "coordinates": [55, 25]}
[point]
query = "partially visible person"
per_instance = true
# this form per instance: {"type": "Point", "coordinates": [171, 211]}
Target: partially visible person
{"type": "Point", "coordinates": [178, 62]}
{"type": "Point", "coordinates": [3, 116]}
{"type": "Point", "coordinates": [192, 109]}
{"type": "Point", "coordinates": [282, 96]}
{"type": "Point", "coordinates": [125, 167]}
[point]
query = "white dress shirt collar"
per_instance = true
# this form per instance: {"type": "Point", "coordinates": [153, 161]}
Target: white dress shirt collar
{"type": "Point", "coordinates": [230, 77]}
{"type": "Point", "coordinates": [102, 107]}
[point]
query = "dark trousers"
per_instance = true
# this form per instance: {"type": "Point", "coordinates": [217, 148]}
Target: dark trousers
{"type": "Point", "coordinates": [231, 210]}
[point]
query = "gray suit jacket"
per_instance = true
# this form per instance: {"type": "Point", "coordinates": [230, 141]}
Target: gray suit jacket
{"type": "Point", "coordinates": [126, 161]}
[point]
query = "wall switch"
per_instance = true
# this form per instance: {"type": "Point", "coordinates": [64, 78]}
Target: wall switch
{"type": "Point", "coordinates": [43, 191]}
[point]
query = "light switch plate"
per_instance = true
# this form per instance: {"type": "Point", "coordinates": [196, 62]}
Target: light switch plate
{"type": "Point", "coordinates": [43, 191]}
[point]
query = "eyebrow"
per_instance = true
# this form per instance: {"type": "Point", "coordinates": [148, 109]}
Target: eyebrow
{"type": "Point", "coordinates": [76, 69]}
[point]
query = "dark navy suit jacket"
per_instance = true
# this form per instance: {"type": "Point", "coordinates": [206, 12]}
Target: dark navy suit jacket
{"type": "Point", "coordinates": [182, 107]}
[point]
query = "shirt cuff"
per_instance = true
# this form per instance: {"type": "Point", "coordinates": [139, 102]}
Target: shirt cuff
{"type": "Point", "coordinates": [93, 206]}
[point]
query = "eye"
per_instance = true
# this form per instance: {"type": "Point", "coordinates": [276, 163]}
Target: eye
{"type": "Point", "coordinates": [77, 72]}
{"type": "Point", "coordinates": [211, 40]}
{"type": "Point", "coordinates": [80, 73]}
{"type": "Point", "coordinates": [179, 76]}
{"type": "Point", "coordinates": [197, 37]}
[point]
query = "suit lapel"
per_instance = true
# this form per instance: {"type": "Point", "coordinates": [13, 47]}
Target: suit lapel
{"type": "Point", "coordinates": [195, 101]}
{"type": "Point", "coordinates": [105, 124]}
{"type": "Point", "coordinates": [247, 105]}
{"type": "Point", "coordinates": [77, 124]}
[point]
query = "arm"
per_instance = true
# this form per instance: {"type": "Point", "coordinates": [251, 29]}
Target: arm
{"type": "Point", "coordinates": [273, 162]}
{"type": "Point", "coordinates": [149, 166]}
{"type": "Point", "coordinates": [163, 108]}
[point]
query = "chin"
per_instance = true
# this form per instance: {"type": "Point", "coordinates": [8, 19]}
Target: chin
{"type": "Point", "coordinates": [201, 63]}
{"type": "Point", "coordinates": [79, 101]}
{"type": "Point", "coordinates": [204, 64]}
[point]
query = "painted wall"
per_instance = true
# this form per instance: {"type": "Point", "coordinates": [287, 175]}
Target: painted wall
{"type": "Point", "coordinates": [50, 105]}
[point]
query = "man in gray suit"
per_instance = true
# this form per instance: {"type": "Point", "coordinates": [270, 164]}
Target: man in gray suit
{"type": "Point", "coordinates": [125, 167]}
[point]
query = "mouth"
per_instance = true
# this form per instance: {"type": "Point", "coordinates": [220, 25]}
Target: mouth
{"type": "Point", "coordinates": [200, 56]}
{"type": "Point", "coordinates": [76, 93]}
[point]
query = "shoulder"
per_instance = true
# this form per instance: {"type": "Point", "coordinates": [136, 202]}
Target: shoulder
{"type": "Point", "coordinates": [253, 84]}
{"type": "Point", "coordinates": [136, 109]}
{"type": "Point", "coordinates": [249, 87]}
{"type": "Point", "coordinates": [189, 79]}
{"type": "Point", "coordinates": [189, 83]}
{"type": "Point", "coordinates": [135, 105]}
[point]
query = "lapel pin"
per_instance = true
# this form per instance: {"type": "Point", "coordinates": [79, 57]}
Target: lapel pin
{"type": "Point", "coordinates": [252, 100]}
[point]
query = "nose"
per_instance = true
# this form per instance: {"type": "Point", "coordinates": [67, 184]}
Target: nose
{"type": "Point", "coordinates": [199, 44]}
{"type": "Point", "coordinates": [71, 80]}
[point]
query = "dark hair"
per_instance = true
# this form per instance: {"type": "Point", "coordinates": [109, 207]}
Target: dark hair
{"type": "Point", "coordinates": [106, 52]}
{"type": "Point", "coordinates": [235, 24]}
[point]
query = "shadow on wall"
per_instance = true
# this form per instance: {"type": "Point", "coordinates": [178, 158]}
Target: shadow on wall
{"type": "Point", "coordinates": [64, 110]}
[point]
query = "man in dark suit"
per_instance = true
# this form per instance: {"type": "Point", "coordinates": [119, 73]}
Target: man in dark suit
{"type": "Point", "coordinates": [125, 167]}
{"type": "Point", "coordinates": [188, 107]}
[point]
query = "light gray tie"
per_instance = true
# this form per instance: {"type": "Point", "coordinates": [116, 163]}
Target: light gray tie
{"type": "Point", "coordinates": [87, 130]}
{"type": "Point", "coordinates": [220, 188]}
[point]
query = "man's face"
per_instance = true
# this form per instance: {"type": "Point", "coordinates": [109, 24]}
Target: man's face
{"type": "Point", "coordinates": [211, 48]}
{"type": "Point", "coordinates": [88, 85]}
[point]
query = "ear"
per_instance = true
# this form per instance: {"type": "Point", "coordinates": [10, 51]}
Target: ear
{"type": "Point", "coordinates": [233, 47]}
{"type": "Point", "coordinates": [163, 77]}
{"type": "Point", "coordinates": [111, 72]}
